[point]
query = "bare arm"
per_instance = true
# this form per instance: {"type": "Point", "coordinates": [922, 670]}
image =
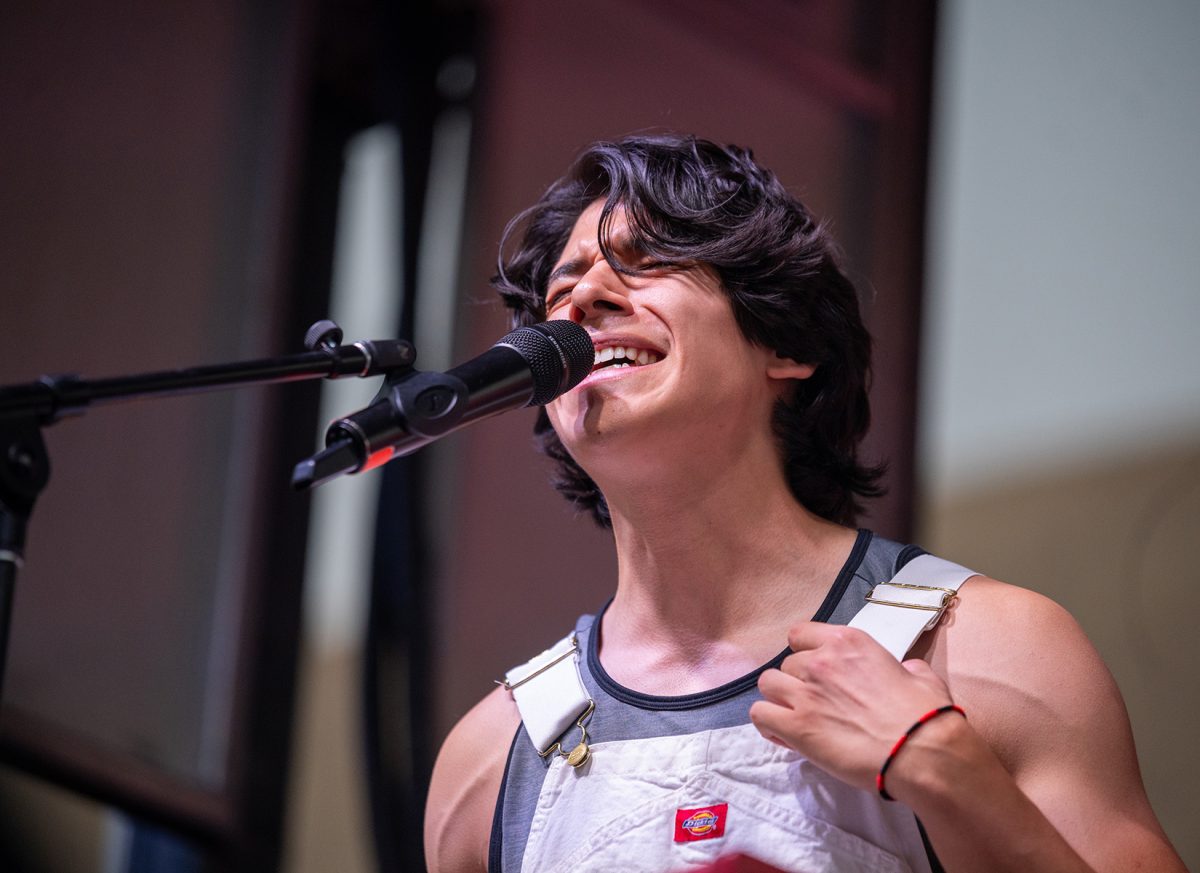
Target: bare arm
{"type": "Point", "coordinates": [1041, 777]}
{"type": "Point", "coordinates": [466, 785]}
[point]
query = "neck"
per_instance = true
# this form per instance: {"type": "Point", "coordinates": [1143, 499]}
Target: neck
{"type": "Point", "coordinates": [713, 570]}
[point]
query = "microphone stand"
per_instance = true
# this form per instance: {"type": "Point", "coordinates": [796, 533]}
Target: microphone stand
{"type": "Point", "coordinates": [26, 409]}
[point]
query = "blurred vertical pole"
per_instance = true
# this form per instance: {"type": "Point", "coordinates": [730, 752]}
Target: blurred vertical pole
{"type": "Point", "coordinates": [419, 38]}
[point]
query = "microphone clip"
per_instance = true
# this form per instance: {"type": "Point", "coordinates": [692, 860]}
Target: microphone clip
{"type": "Point", "coordinates": [414, 406]}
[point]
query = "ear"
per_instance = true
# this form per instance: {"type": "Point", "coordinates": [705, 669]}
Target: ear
{"type": "Point", "coordinates": [779, 367]}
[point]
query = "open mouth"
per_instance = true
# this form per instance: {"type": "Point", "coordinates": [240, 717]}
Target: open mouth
{"type": "Point", "coordinates": [617, 357]}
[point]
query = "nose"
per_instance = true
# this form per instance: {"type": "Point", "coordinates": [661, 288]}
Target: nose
{"type": "Point", "coordinates": [599, 293]}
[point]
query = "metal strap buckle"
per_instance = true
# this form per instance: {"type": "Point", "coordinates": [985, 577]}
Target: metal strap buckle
{"type": "Point", "coordinates": [579, 755]}
{"type": "Point", "coordinates": [948, 594]}
{"type": "Point", "coordinates": [503, 683]}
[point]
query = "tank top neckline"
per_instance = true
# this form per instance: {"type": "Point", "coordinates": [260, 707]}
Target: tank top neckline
{"type": "Point", "coordinates": [730, 689]}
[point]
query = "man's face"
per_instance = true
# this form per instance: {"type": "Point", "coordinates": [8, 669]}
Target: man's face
{"type": "Point", "coordinates": [674, 372]}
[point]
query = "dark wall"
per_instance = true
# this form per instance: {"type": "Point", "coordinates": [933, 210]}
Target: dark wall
{"type": "Point", "coordinates": [147, 205]}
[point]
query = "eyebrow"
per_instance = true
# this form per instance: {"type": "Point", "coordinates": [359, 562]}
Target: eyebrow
{"type": "Point", "coordinates": [577, 267]}
{"type": "Point", "coordinates": [570, 268]}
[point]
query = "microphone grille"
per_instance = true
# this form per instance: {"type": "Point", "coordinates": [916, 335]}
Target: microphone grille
{"type": "Point", "coordinates": [560, 354]}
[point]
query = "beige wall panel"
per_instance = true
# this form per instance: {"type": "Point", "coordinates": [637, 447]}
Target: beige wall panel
{"type": "Point", "coordinates": [1116, 545]}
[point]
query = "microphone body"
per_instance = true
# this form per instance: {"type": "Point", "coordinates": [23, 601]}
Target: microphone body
{"type": "Point", "coordinates": [528, 367]}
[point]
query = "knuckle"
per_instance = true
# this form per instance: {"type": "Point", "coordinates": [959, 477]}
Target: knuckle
{"type": "Point", "coordinates": [845, 636]}
{"type": "Point", "coordinates": [820, 665]}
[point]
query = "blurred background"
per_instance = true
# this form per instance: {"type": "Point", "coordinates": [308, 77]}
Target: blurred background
{"type": "Point", "coordinates": [207, 671]}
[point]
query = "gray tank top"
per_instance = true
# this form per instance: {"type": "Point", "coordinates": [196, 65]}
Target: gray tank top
{"type": "Point", "coordinates": [623, 714]}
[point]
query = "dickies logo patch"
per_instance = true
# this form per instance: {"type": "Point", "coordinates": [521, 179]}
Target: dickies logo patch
{"type": "Point", "coordinates": [700, 823]}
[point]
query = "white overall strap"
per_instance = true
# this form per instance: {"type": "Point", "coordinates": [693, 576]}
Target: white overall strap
{"type": "Point", "coordinates": [549, 692]}
{"type": "Point", "coordinates": [899, 611]}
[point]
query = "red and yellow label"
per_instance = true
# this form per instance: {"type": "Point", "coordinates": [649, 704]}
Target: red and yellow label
{"type": "Point", "coordinates": [701, 823]}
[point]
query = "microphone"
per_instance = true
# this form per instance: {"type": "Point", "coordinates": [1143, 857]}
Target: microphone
{"type": "Point", "coordinates": [528, 367]}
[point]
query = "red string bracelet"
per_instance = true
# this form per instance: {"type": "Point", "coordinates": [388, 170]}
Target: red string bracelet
{"type": "Point", "coordinates": [929, 716]}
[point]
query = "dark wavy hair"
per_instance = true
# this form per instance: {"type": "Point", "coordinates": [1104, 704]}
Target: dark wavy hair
{"type": "Point", "coordinates": [688, 201]}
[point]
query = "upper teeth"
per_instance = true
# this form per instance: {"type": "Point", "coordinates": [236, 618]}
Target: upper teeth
{"type": "Point", "coordinates": [626, 356]}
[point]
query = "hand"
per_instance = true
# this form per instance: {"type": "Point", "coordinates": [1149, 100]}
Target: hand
{"type": "Point", "coordinates": [842, 700]}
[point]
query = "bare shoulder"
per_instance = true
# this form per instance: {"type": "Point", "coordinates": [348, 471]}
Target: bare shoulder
{"type": "Point", "coordinates": [1022, 663]}
{"type": "Point", "coordinates": [1038, 692]}
{"type": "Point", "coordinates": [993, 625]}
{"type": "Point", "coordinates": [466, 784]}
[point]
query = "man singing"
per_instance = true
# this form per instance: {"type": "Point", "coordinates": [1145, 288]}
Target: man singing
{"type": "Point", "coordinates": [765, 679]}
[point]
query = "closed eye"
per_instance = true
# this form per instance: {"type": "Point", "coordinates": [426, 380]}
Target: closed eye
{"type": "Point", "coordinates": [557, 297]}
